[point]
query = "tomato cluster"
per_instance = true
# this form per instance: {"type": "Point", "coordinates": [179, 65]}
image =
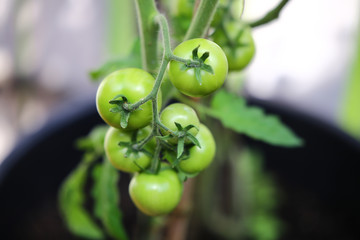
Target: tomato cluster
{"type": "Point", "coordinates": [164, 148]}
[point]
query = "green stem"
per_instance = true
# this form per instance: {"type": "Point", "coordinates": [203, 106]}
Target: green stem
{"type": "Point", "coordinates": [161, 20]}
{"type": "Point", "coordinates": [165, 34]}
{"type": "Point", "coordinates": [156, 159]}
{"type": "Point", "coordinates": [148, 29]}
{"type": "Point", "coordinates": [270, 16]}
{"type": "Point", "coordinates": [160, 124]}
{"type": "Point", "coordinates": [140, 145]}
{"type": "Point", "coordinates": [202, 19]}
{"type": "Point", "coordinates": [153, 94]}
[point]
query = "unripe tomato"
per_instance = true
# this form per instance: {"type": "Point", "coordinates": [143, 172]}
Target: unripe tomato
{"type": "Point", "coordinates": [116, 153]}
{"type": "Point", "coordinates": [134, 84]}
{"type": "Point", "coordinates": [156, 194]}
{"type": "Point", "coordinates": [182, 114]}
{"type": "Point", "coordinates": [200, 158]}
{"type": "Point", "coordinates": [185, 79]}
{"type": "Point", "coordinates": [239, 51]}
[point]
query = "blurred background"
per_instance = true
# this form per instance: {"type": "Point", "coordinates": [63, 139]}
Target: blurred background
{"type": "Point", "coordinates": [305, 60]}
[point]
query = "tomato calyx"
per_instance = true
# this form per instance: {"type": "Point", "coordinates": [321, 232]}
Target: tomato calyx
{"type": "Point", "coordinates": [132, 147]}
{"type": "Point", "coordinates": [198, 64]}
{"type": "Point", "coordinates": [121, 106]}
{"type": "Point", "coordinates": [182, 134]}
{"type": "Point", "coordinates": [170, 156]}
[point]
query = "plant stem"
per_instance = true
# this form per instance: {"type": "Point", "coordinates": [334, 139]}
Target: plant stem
{"type": "Point", "coordinates": [270, 16]}
{"type": "Point", "coordinates": [148, 29]}
{"type": "Point", "coordinates": [202, 19]}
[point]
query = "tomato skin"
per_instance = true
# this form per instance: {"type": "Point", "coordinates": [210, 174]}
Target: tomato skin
{"type": "Point", "coordinates": [238, 56]}
{"type": "Point", "coordinates": [200, 158]}
{"type": "Point", "coordinates": [116, 153]}
{"type": "Point", "coordinates": [185, 80]}
{"type": "Point", "coordinates": [180, 113]}
{"type": "Point", "coordinates": [134, 84]}
{"type": "Point", "coordinates": [156, 194]}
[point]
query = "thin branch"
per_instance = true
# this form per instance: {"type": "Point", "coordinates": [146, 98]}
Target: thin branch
{"type": "Point", "coordinates": [270, 16]}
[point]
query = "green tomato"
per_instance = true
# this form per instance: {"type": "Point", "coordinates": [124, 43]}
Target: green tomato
{"type": "Point", "coordinates": [185, 80]}
{"type": "Point", "coordinates": [116, 153]}
{"type": "Point", "coordinates": [240, 49]}
{"type": "Point", "coordinates": [200, 158]}
{"type": "Point", "coordinates": [134, 84]}
{"type": "Point", "coordinates": [156, 194]}
{"type": "Point", "coordinates": [182, 114]}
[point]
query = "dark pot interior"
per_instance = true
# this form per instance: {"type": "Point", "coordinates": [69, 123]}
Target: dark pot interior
{"type": "Point", "coordinates": [320, 181]}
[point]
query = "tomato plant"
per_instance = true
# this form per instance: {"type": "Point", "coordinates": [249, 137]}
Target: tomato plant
{"type": "Point", "coordinates": [156, 194]}
{"type": "Point", "coordinates": [132, 83]}
{"type": "Point", "coordinates": [200, 157]}
{"type": "Point", "coordinates": [198, 81]}
{"type": "Point", "coordinates": [164, 148]}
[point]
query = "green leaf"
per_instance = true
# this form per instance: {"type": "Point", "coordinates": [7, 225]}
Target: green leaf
{"type": "Point", "coordinates": [94, 142]}
{"type": "Point", "coordinates": [233, 112]}
{"type": "Point", "coordinates": [106, 196]}
{"type": "Point", "coordinates": [133, 60]}
{"type": "Point", "coordinates": [71, 201]}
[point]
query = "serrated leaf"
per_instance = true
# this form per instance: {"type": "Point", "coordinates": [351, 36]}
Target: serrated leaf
{"type": "Point", "coordinates": [94, 142]}
{"type": "Point", "coordinates": [71, 201]}
{"type": "Point", "coordinates": [133, 60]}
{"type": "Point", "coordinates": [233, 112]}
{"type": "Point", "coordinates": [106, 196]}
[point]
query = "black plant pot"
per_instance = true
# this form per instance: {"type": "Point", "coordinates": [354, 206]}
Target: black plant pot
{"type": "Point", "coordinates": [319, 181]}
